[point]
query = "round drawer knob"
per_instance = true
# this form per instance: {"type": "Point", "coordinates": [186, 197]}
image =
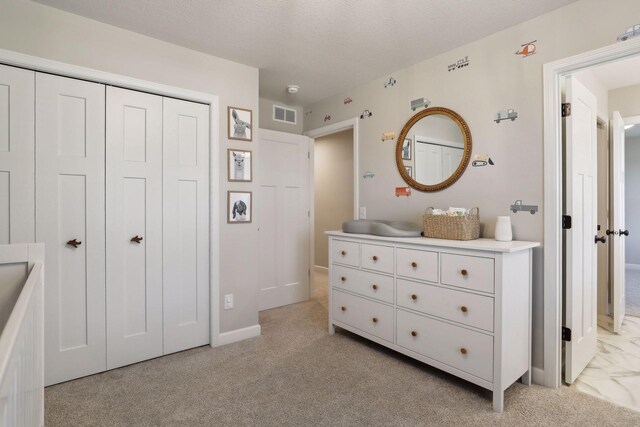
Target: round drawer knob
{"type": "Point", "coordinates": [414, 297]}
{"type": "Point", "coordinates": [414, 334]}
{"type": "Point", "coordinates": [463, 350]}
{"type": "Point", "coordinates": [375, 287]}
{"type": "Point", "coordinates": [344, 279]}
{"type": "Point", "coordinates": [343, 308]}
{"type": "Point", "coordinates": [375, 258]}
{"type": "Point", "coordinates": [414, 264]}
{"type": "Point", "coordinates": [374, 320]}
{"type": "Point", "coordinates": [343, 253]}
{"type": "Point", "coordinates": [464, 272]}
{"type": "Point", "coordinates": [464, 309]}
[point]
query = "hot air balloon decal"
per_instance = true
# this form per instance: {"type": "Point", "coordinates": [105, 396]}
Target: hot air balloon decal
{"type": "Point", "coordinates": [527, 49]}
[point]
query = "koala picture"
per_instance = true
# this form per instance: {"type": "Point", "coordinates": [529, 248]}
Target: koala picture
{"type": "Point", "coordinates": [240, 124]}
{"type": "Point", "coordinates": [239, 165]}
{"type": "Point", "coordinates": [239, 207]}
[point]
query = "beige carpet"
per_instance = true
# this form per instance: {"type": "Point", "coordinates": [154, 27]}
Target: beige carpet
{"type": "Point", "coordinates": [296, 374]}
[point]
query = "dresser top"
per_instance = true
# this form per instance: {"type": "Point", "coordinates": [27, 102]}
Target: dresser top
{"type": "Point", "coordinates": [488, 245]}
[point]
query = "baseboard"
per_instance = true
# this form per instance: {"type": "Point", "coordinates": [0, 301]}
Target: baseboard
{"type": "Point", "coordinates": [537, 376]}
{"type": "Point", "coordinates": [633, 266]}
{"type": "Point", "coordinates": [239, 335]}
{"type": "Point", "coordinates": [319, 267]}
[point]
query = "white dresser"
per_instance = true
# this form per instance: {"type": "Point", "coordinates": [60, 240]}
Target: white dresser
{"type": "Point", "coordinates": [463, 307]}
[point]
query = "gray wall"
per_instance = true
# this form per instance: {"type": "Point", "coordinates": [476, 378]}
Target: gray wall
{"type": "Point", "coordinates": [333, 177]}
{"type": "Point", "coordinates": [626, 100]}
{"type": "Point", "coordinates": [267, 122]}
{"type": "Point", "coordinates": [34, 29]}
{"type": "Point", "coordinates": [496, 79]}
{"type": "Point", "coordinates": [632, 199]}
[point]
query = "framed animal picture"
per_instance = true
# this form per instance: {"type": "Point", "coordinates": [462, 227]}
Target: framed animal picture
{"type": "Point", "coordinates": [409, 170]}
{"type": "Point", "coordinates": [406, 149]}
{"type": "Point", "coordinates": [239, 165]}
{"type": "Point", "coordinates": [240, 123]}
{"type": "Point", "coordinates": [239, 207]}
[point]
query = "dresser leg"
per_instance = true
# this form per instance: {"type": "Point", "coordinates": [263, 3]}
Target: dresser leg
{"type": "Point", "coordinates": [526, 378]}
{"type": "Point", "coordinates": [498, 401]}
{"type": "Point", "coordinates": [332, 329]}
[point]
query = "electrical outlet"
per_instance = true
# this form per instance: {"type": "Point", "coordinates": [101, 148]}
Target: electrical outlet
{"type": "Point", "coordinates": [363, 212]}
{"type": "Point", "coordinates": [228, 301]}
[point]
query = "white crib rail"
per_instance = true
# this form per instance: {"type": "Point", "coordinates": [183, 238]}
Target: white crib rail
{"type": "Point", "coordinates": [22, 357]}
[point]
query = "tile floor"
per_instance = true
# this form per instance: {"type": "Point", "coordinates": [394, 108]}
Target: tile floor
{"type": "Point", "coordinates": [614, 374]}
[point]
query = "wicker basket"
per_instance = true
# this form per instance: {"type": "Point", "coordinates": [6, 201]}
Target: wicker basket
{"type": "Point", "coordinates": [466, 227]}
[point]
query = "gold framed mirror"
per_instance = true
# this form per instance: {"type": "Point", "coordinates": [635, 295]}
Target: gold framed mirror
{"type": "Point", "coordinates": [433, 149]}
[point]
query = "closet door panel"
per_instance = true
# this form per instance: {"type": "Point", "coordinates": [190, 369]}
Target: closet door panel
{"type": "Point", "coordinates": [185, 225]}
{"type": "Point", "coordinates": [134, 227]}
{"type": "Point", "coordinates": [17, 218]}
{"type": "Point", "coordinates": [70, 221]}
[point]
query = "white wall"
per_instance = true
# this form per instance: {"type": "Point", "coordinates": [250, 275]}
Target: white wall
{"type": "Point", "coordinates": [46, 32]}
{"type": "Point", "coordinates": [333, 178]}
{"type": "Point", "coordinates": [267, 122]}
{"type": "Point", "coordinates": [496, 79]}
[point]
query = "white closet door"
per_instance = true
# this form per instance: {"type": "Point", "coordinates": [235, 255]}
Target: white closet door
{"type": "Point", "coordinates": [70, 126]}
{"type": "Point", "coordinates": [17, 222]}
{"type": "Point", "coordinates": [185, 224]}
{"type": "Point", "coordinates": [451, 158]}
{"type": "Point", "coordinates": [134, 226]}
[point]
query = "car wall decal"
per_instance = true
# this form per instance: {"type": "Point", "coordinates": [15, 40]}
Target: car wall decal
{"type": "Point", "coordinates": [509, 114]}
{"type": "Point", "coordinates": [390, 82]}
{"type": "Point", "coordinates": [482, 160]}
{"type": "Point", "coordinates": [518, 206]}
{"type": "Point", "coordinates": [632, 31]}
{"type": "Point", "coordinates": [366, 113]}
{"type": "Point", "coordinates": [327, 117]}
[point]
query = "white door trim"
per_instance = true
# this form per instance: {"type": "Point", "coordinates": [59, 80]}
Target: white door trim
{"type": "Point", "coordinates": [16, 59]}
{"type": "Point", "coordinates": [553, 161]}
{"type": "Point", "coordinates": [317, 133]}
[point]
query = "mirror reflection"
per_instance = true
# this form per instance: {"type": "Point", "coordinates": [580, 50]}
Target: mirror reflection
{"type": "Point", "coordinates": [435, 150]}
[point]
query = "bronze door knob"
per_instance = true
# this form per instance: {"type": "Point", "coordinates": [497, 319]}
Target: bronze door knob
{"type": "Point", "coordinates": [464, 309]}
{"type": "Point", "coordinates": [463, 350]}
{"type": "Point", "coordinates": [136, 239]}
{"type": "Point", "coordinates": [414, 297]}
{"type": "Point", "coordinates": [343, 308]}
{"type": "Point", "coordinates": [414, 334]}
{"type": "Point", "coordinates": [75, 243]}
{"type": "Point", "coordinates": [374, 320]}
{"type": "Point", "coordinates": [375, 287]}
{"type": "Point", "coordinates": [414, 264]}
{"type": "Point", "coordinates": [464, 272]}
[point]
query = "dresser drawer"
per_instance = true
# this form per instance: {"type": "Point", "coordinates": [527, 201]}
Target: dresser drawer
{"type": "Point", "coordinates": [468, 272]}
{"type": "Point", "coordinates": [416, 264]}
{"type": "Point", "coordinates": [377, 257]}
{"type": "Point", "coordinates": [368, 316]}
{"type": "Point", "coordinates": [344, 252]}
{"type": "Point", "coordinates": [462, 307]}
{"type": "Point", "coordinates": [364, 283]}
{"type": "Point", "coordinates": [469, 351]}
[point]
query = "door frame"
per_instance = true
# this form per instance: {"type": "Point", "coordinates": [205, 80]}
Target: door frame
{"type": "Point", "coordinates": [318, 133]}
{"type": "Point", "coordinates": [553, 72]}
{"type": "Point", "coordinates": [37, 64]}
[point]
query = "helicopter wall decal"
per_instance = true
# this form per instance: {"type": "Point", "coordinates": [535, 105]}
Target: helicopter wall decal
{"type": "Point", "coordinates": [528, 49]}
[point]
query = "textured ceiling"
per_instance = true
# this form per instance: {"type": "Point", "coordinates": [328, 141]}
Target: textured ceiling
{"type": "Point", "coordinates": [325, 46]}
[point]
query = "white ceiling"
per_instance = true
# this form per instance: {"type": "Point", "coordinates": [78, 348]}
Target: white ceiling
{"type": "Point", "coordinates": [325, 46]}
{"type": "Point", "coordinates": [617, 74]}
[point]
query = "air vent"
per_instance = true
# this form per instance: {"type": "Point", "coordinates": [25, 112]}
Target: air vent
{"type": "Point", "coordinates": [284, 114]}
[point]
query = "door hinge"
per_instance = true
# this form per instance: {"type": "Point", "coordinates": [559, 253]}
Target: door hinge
{"type": "Point", "coordinates": [309, 214]}
{"type": "Point", "coordinates": [566, 222]}
{"type": "Point", "coordinates": [566, 334]}
{"type": "Point", "coordinates": [308, 154]}
{"type": "Point", "coordinates": [309, 272]}
{"type": "Point", "coordinates": [566, 109]}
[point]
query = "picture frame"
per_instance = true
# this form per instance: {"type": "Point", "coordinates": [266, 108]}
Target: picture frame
{"type": "Point", "coordinates": [406, 149]}
{"type": "Point", "coordinates": [239, 165]}
{"type": "Point", "coordinates": [239, 124]}
{"type": "Point", "coordinates": [409, 170]}
{"type": "Point", "coordinates": [239, 207]}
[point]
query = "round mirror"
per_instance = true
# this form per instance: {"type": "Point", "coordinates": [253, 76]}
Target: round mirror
{"type": "Point", "coordinates": [433, 149]}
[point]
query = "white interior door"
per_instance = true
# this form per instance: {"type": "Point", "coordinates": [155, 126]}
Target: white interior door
{"type": "Point", "coordinates": [185, 224]}
{"type": "Point", "coordinates": [17, 218]}
{"type": "Point", "coordinates": [70, 221]}
{"type": "Point", "coordinates": [617, 241]}
{"type": "Point", "coordinates": [580, 248]}
{"type": "Point", "coordinates": [283, 214]}
{"type": "Point", "coordinates": [134, 226]}
{"type": "Point", "coordinates": [428, 163]}
{"type": "Point", "coordinates": [451, 158]}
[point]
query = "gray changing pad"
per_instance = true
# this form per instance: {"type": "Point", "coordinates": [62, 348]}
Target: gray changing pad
{"type": "Point", "coordinates": [382, 228]}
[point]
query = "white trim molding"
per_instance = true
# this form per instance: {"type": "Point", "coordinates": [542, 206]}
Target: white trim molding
{"type": "Point", "coordinates": [553, 161]}
{"type": "Point", "coordinates": [16, 59]}
{"type": "Point", "coordinates": [239, 335]}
